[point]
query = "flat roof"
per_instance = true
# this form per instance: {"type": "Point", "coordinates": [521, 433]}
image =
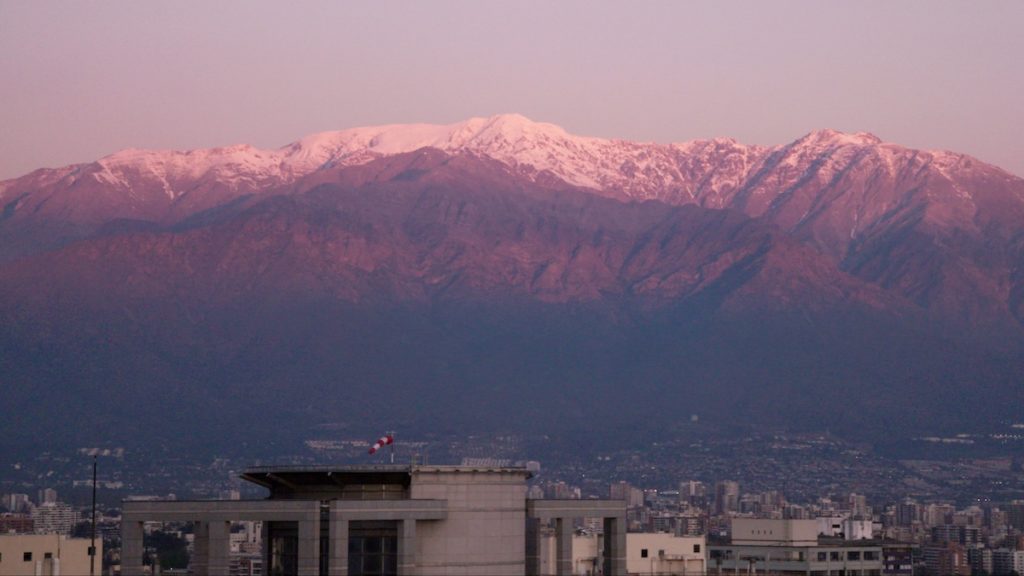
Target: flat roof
{"type": "Point", "coordinates": [290, 476]}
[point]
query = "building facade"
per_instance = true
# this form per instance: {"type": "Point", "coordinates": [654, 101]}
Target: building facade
{"type": "Point", "coordinates": [791, 547]}
{"type": "Point", "coordinates": [654, 554]}
{"type": "Point", "coordinates": [648, 554]}
{"type": "Point", "coordinates": [47, 555]}
{"type": "Point", "coordinates": [54, 518]}
{"type": "Point", "coordinates": [383, 520]}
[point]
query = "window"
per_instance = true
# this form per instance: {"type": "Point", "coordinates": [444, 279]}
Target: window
{"type": "Point", "coordinates": [833, 556]}
{"type": "Point", "coordinates": [643, 552]}
{"type": "Point", "coordinates": [27, 557]}
{"type": "Point", "coordinates": [853, 555]}
{"type": "Point", "coordinates": [869, 555]}
{"type": "Point", "coordinates": [373, 548]}
{"type": "Point", "coordinates": [47, 555]}
{"type": "Point", "coordinates": [822, 556]}
{"type": "Point", "coordinates": [696, 548]}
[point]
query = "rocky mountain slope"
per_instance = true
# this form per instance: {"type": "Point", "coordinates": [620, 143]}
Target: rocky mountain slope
{"type": "Point", "coordinates": [939, 228]}
{"type": "Point", "coordinates": [500, 268]}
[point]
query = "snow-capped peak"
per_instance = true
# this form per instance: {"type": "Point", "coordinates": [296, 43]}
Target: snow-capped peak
{"type": "Point", "coordinates": [832, 137]}
{"type": "Point", "coordinates": [509, 138]}
{"type": "Point", "coordinates": [703, 171]}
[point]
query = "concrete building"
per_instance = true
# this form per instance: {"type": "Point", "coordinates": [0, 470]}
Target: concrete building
{"type": "Point", "coordinates": [586, 553]}
{"type": "Point", "coordinates": [791, 547]}
{"type": "Point", "coordinates": [47, 495]}
{"type": "Point", "coordinates": [17, 502]}
{"type": "Point", "coordinates": [388, 519]}
{"type": "Point", "coordinates": [947, 559]}
{"type": "Point", "coordinates": [908, 512]}
{"type": "Point", "coordinates": [727, 497]}
{"type": "Point", "coordinates": [846, 527]}
{"type": "Point", "coordinates": [634, 497]}
{"type": "Point", "coordinates": [665, 554]}
{"type": "Point", "coordinates": [980, 560]}
{"type": "Point", "coordinates": [1014, 514]}
{"type": "Point", "coordinates": [54, 518]}
{"type": "Point", "coordinates": [47, 555]}
{"type": "Point", "coordinates": [897, 559]}
{"type": "Point", "coordinates": [648, 554]}
{"type": "Point", "coordinates": [1006, 562]}
{"type": "Point", "coordinates": [16, 523]}
{"type": "Point", "coordinates": [966, 535]}
{"type": "Point", "coordinates": [693, 493]}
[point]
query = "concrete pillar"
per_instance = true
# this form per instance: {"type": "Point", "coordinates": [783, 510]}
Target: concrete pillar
{"type": "Point", "coordinates": [218, 559]}
{"type": "Point", "coordinates": [407, 547]}
{"type": "Point", "coordinates": [338, 561]}
{"type": "Point", "coordinates": [563, 546]}
{"type": "Point", "coordinates": [615, 546]}
{"type": "Point", "coordinates": [265, 544]}
{"type": "Point", "coordinates": [309, 545]}
{"type": "Point", "coordinates": [200, 561]}
{"type": "Point", "coordinates": [131, 548]}
{"type": "Point", "coordinates": [532, 547]}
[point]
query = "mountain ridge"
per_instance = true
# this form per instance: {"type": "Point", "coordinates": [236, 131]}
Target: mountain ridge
{"type": "Point", "coordinates": [941, 229]}
{"type": "Point", "coordinates": [492, 297]}
{"type": "Point", "coordinates": [506, 137]}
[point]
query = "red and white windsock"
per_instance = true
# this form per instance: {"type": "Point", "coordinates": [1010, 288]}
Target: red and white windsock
{"type": "Point", "coordinates": [382, 442]}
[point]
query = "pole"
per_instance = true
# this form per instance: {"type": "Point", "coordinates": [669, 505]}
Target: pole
{"type": "Point", "coordinates": [92, 547]}
{"type": "Point", "coordinates": [392, 434]}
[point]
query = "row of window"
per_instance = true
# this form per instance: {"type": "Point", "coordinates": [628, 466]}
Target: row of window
{"type": "Point", "coordinates": [835, 556]}
{"type": "Point", "coordinates": [643, 551]}
{"type": "Point", "coordinates": [826, 556]}
{"type": "Point", "coordinates": [846, 572]}
{"type": "Point", "coordinates": [27, 556]}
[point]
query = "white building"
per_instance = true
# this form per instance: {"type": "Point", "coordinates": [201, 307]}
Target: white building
{"type": "Point", "coordinates": [791, 547]}
{"type": "Point", "coordinates": [646, 554]}
{"type": "Point", "coordinates": [665, 554]}
{"type": "Point", "coordinates": [845, 527]}
{"type": "Point", "coordinates": [54, 518]}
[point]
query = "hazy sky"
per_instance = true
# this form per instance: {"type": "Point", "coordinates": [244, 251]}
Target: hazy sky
{"type": "Point", "coordinates": [79, 80]}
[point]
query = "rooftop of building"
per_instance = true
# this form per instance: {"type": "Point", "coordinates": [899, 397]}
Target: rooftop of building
{"type": "Point", "coordinates": [396, 476]}
{"type": "Point", "coordinates": [822, 541]}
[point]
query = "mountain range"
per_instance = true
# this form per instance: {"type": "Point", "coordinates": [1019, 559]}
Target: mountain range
{"type": "Point", "coordinates": [502, 274]}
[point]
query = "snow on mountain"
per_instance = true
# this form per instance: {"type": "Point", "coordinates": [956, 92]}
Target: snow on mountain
{"type": "Point", "coordinates": [713, 173]}
{"type": "Point", "coordinates": [939, 227]}
{"type": "Point", "coordinates": [678, 173]}
{"type": "Point", "coordinates": [826, 186]}
{"type": "Point", "coordinates": [675, 172]}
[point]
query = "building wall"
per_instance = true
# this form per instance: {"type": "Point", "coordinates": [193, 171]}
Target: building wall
{"type": "Point", "coordinates": [69, 556]}
{"type": "Point", "coordinates": [485, 531]}
{"type": "Point", "coordinates": [54, 518]}
{"type": "Point", "coordinates": [756, 531]}
{"type": "Point", "coordinates": [586, 550]}
{"type": "Point", "coordinates": [666, 554]}
{"type": "Point", "coordinates": [777, 560]}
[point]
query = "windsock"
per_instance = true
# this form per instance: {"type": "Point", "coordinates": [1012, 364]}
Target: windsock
{"type": "Point", "coordinates": [382, 442]}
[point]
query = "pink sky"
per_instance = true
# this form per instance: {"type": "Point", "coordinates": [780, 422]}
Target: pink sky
{"type": "Point", "coordinates": [83, 79]}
